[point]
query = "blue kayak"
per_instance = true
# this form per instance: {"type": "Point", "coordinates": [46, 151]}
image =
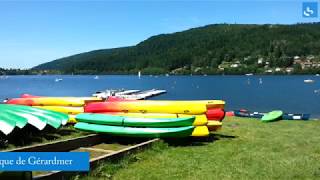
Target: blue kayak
{"type": "Point", "coordinates": [287, 116]}
{"type": "Point", "coordinates": [248, 114]}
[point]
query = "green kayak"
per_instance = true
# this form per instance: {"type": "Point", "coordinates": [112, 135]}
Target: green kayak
{"type": "Point", "coordinates": [17, 115]}
{"type": "Point", "coordinates": [39, 117]}
{"type": "Point", "coordinates": [272, 116]}
{"type": "Point", "coordinates": [133, 121]}
{"type": "Point", "coordinates": [137, 132]}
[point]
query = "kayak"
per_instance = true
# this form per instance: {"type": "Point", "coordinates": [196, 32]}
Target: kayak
{"type": "Point", "coordinates": [137, 132]}
{"type": "Point", "coordinates": [7, 124]}
{"type": "Point", "coordinates": [38, 117]}
{"type": "Point", "coordinates": [248, 114]}
{"type": "Point", "coordinates": [215, 114]}
{"type": "Point", "coordinates": [200, 131]}
{"type": "Point", "coordinates": [141, 106]}
{"type": "Point", "coordinates": [200, 120]}
{"type": "Point", "coordinates": [214, 125]}
{"type": "Point", "coordinates": [12, 116]}
{"type": "Point", "coordinates": [20, 122]}
{"type": "Point", "coordinates": [230, 113]}
{"type": "Point", "coordinates": [52, 101]}
{"type": "Point", "coordinates": [208, 103]}
{"type": "Point", "coordinates": [272, 116]}
{"type": "Point", "coordinates": [287, 116]}
{"type": "Point", "coordinates": [72, 119]}
{"type": "Point", "coordinates": [133, 121]}
{"type": "Point", "coordinates": [63, 109]}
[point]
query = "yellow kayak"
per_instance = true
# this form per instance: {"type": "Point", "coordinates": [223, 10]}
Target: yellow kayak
{"type": "Point", "coordinates": [200, 131]}
{"type": "Point", "coordinates": [53, 101]}
{"type": "Point", "coordinates": [171, 107]}
{"type": "Point", "coordinates": [72, 119]}
{"type": "Point", "coordinates": [214, 125]}
{"type": "Point", "coordinates": [200, 120]}
{"type": "Point", "coordinates": [63, 109]}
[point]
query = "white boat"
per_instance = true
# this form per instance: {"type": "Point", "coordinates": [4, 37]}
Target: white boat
{"type": "Point", "coordinates": [96, 77]}
{"type": "Point", "coordinates": [139, 74]}
{"type": "Point", "coordinates": [58, 79]}
{"type": "Point", "coordinates": [129, 94]}
{"type": "Point", "coordinates": [249, 74]}
{"type": "Point", "coordinates": [317, 74]}
{"type": "Point", "coordinates": [308, 81]}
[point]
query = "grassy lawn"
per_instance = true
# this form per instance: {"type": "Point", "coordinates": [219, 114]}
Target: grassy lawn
{"type": "Point", "coordinates": [243, 149]}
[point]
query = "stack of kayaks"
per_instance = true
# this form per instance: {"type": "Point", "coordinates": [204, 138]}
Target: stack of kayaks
{"type": "Point", "coordinates": [67, 105]}
{"type": "Point", "coordinates": [208, 114]}
{"type": "Point", "coordinates": [271, 116]}
{"type": "Point", "coordinates": [12, 116]}
{"type": "Point", "coordinates": [135, 126]}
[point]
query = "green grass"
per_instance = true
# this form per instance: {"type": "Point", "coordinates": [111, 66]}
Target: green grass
{"type": "Point", "coordinates": [243, 149]}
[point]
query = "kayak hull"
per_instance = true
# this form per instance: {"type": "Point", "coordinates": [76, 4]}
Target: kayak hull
{"type": "Point", "coordinates": [216, 114]}
{"type": "Point", "coordinates": [137, 132]}
{"type": "Point", "coordinates": [200, 120]}
{"type": "Point", "coordinates": [12, 116]}
{"type": "Point", "coordinates": [248, 114]}
{"type": "Point", "coordinates": [53, 101]}
{"type": "Point", "coordinates": [287, 116]}
{"type": "Point", "coordinates": [141, 106]}
{"type": "Point", "coordinates": [133, 121]}
{"type": "Point", "coordinates": [214, 125]}
{"type": "Point", "coordinates": [272, 116]}
{"type": "Point", "coordinates": [63, 109]}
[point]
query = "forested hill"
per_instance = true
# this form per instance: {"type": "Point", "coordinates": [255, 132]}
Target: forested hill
{"type": "Point", "coordinates": [215, 48]}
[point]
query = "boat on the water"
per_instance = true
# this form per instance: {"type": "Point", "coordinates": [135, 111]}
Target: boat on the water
{"type": "Point", "coordinates": [308, 81]}
{"type": "Point", "coordinates": [58, 80]}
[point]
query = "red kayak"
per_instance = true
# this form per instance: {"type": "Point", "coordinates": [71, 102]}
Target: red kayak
{"type": "Point", "coordinates": [230, 113]}
{"type": "Point", "coordinates": [216, 114]}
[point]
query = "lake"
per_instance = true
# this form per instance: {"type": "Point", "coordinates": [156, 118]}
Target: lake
{"type": "Point", "coordinates": [288, 93]}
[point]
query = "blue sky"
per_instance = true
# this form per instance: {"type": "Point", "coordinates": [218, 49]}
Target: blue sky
{"type": "Point", "coordinates": [34, 32]}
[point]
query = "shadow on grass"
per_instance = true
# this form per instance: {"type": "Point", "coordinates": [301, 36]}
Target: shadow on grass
{"type": "Point", "coordinates": [197, 141]}
{"type": "Point", "coordinates": [123, 140]}
{"type": "Point", "coordinates": [30, 135]}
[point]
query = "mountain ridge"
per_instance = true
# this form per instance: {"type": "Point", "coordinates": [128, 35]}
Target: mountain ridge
{"type": "Point", "coordinates": [202, 50]}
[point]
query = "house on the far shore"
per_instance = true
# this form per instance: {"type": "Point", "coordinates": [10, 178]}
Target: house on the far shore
{"type": "Point", "coordinates": [306, 63]}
